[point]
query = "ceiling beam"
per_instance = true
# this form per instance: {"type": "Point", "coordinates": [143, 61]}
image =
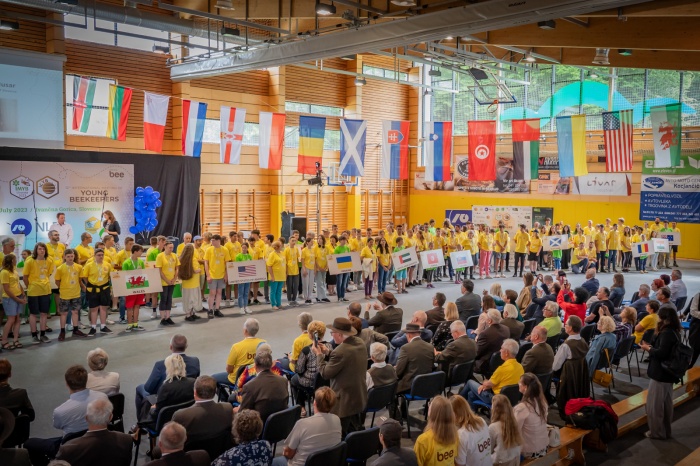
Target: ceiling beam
{"type": "Point", "coordinates": [663, 60]}
{"type": "Point", "coordinates": [657, 9]}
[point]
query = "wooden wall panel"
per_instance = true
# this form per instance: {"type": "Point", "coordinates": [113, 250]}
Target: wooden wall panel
{"type": "Point", "coordinates": [250, 82]}
{"type": "Point", "coordinates": [318, 87]}
{"type": "Point", "coordinates": [30, 35]}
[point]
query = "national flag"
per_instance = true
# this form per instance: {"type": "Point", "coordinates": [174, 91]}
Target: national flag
{"type": "Point", "coordinates": [83, 96]}
{"type": "Point", "coordinates": [395, 149]}
{"type": "Point", "coordinates": [353, 136]}
{"type": "Point", "coordinates": [118, 114]}
{"type": "Point", "coordinates": [246, 271]}
{"type": "Point", "coordinates": [554, 242]}
{"type": "Point", "coordinates": [432, 258]}
{"type": "Point", "coordinates": [666, 130]}
{"type": "Point", "coordinates": [438, 151]}
{"type": "Point", "coordinates": [311, 133]}
{"type": "Point", "coordinates": [618, 132]}
{"type": "Point", "coordinates": [344, 262]}
{"type": "Point", "coordinates": [642, 247]}
{"type": "Point", "coordinates": [194, 115]}
{"type": "Point", "coordinates": [460, 261]}
{"type": "Point", "coordinates": [155, 114]}
{"type": "Point", "coordinates": [271, 144]}
{"type": "Point", "coordinates": [232, 122]}
{"type": "Point", "coordinates": [571, 145]}
{"type": "Point", "coordinates": [405, 257]}
{"type": "Point", "coordinates": [526, 130]}
{"type": "Point", "coordinates": [526, 160]}
{"type": "Point", "coordinates": [482, 150]}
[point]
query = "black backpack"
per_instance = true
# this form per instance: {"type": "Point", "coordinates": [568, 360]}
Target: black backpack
{"type": "Point", "coordinates": [679, 362]}
{"type": "Point", "coordinates": [589, 414]}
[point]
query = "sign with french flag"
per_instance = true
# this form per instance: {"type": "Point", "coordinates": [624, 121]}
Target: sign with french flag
{"type": "Point", "coordinates": [271, 144]}
{"type": "Point", "coordinates": [232, 121]}
{"type": "Point", "coordinates": [194, 115]}
{"type": "Point", "coordinates": [461, 259]}
{"type": "Point", "coordinates": [432, 259]}
{"type": "Point", "coordinates": [344, 263]}
{"type": "Point", "coordinates": [246, 271]}
{"type": "Point", "coordinates": [405, 258]}
{"type": "Point", "coordinates": [438, 150]}
{"type": "Point", "coordinates": [395, 149]}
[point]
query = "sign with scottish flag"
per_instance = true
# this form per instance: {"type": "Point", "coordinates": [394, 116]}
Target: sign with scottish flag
{"type": "Point", "coordinates": [139, 281]}
{"type": "Point", "coordinates": [555, 243]}
{"type": "Point", "coordinates": [344, 263]}
{"type": "Point", "coordinates": [673, 237]}
{"type": "Point", "coordinates": [353, 138]}
{"type": "Point", "coordinates": [405, 258]}
{"type": "Point", "coordinates": [246, 272]}
{"type": "Point", "coordinates": [433, 258]}
{"type": "Point", "coordinates": [461, 259]}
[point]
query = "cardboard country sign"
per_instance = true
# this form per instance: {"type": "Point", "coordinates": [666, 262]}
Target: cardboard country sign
{"type": "Point", "coordinates": [246, 272]}
{"type": "Point", "coordinates": [432, 259]}
{"type": "Point", "coordinates": [642, 249]}
{"type": "Point", "coordinates": [344, 263]}
{"type": "Point", "coordinates": [661, 245]}
{"type": "Point", "coordinates": [140, 281]}
{"type": "Point", "coordinates": [405, 258]}
{"type": "Point", "coordinates": [555, 243]}
{"type": "Point", "coordinates": [673, 237]}
{"type": "Point", "coordinates": [461, 259]}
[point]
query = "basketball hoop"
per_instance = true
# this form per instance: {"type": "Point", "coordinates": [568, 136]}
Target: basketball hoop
{"type": "Point", "coordinates": [348, 186]}
{"type": "Point", "coordinates": [493, 106]}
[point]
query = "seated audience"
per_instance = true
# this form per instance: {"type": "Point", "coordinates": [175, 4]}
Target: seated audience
{"type": "Point", "coordinates": [469, 304]}
{"type": "Point", "coordinates": [320, 431]}
{"type": "Point", "coordinates": [552, 321]}
{"type": "Point", "coordinates": [241, 353]}
{"type": "Point", "coordinates": [439, 438]}
{"type": "Point", "coordinates": [677, 287]}
{"type": "Point", "coordinates": [602, 300]}
{"type": "Point", "coordinates": [640, 304]}
{"type": "Point", "coordinates": [443, 334]}
{"type": "Point", "coordinates": [393, 454]}
{"type": "Point", "coordinates": [171, 442]}
{"type": "Point", "coordinates": [490, 341]}
{"type": "Point", "coordinates": [656, 285]}
{"type": "Point", "coordinates": [368, 335]}
{"type": "Point", "coordinates": [14, 399]}
{"type": "Point", "coordinates": [510, 314]}
{"type": "Point", "coordinates": [388, 317]}
{"type": "Point", "coordinates": [99, 445]}
{"type": "Point", "coordinates": [625, 328]}
{"type": "Point", "coordinates": [617, 290]}
{"type": "Point", "coordinates": [380, 373]}
{"type": "Point", "coordinates": [355, 310]}
{"type": "Point", "coordinates": [540, 357]}
{"type": "Point", "coordinates": [507, 373]}
{"type": "Point", "coordinates": [460, 350]}
{"type": "Point", "coordinates": [591, 284]}
{"type": "Point", "coordinates": [474, 438]}
{"type": "Point", "coordinates": [419, 318]}
{"type": "Point", "coordinates": [570, 364]}
{"type": "Point", "coordinates": [506, 440]}
{"type": "Point", "coordinates": [531, 417]}
{"type": "Point", "coordinates": [437, 314]}
{"type": "Point", "coordinates": [664, 297]}
{"type": "Point", "coordinates": [509, 297]}
{"type": "Point", "coordinates": [99, 379]}
{"type": "Point", "coordinates": [415, 358]}
{"type": "Point", "coordinates": [249, 449]}
{"type": "Point", "coordinates": [524, 297]}
{"type": "Point", "coordinates": [540, 300]}
{"type": "Point", "coordinates": [303, 340]}
{"type": "Point", "coordinates": [11, 456]}
{"type": "Point", "coordinates": [306, 368]}
{"type": "Point", "coordinates": [176, 389]}
{"type": "Point", "coordinates": [578, 306]}
{"type": "Point", "coordinates": [267, 392]}
{"type": "Point", "coordinates": [249, 373]}
{"type": "Point", "coordinates": [648, 322]}
{"type": "Point", "coordinates": [206, 419]}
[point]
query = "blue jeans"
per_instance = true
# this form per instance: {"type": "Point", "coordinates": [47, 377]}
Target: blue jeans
{"type": "Point", "coordinates": [383, 277]}
{"type": "Point", "coordinates": [279, 461]}
{"type": "Point", "coordinates": [342, 284]}
{"type": "Point", "coordinates": [122, 307]}
{"type": "Point", "coordinates": [448, 261]}
{"type": "Point", "coordinates": [612, 259]}
{"type": "Point", "coordinates": [471, 394]}
{"type": "Point", "coordinates": [243, 292]}
{"type": "Point", "coordinates": [276, 293]}
{"type": "Point", "coordinates": [581, 267]}
{"type": "Point", "coordinates": [557, 263]}
{"type": "Point", "coordinates": [642, 263]}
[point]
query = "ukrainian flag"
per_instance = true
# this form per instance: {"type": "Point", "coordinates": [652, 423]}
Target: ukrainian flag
{"type": "Point", "coordinates": [571, 144]}
{"type": "Point", "coordinates": [344, 262]}
{"type": "Point", "coordinates": [311, 133]}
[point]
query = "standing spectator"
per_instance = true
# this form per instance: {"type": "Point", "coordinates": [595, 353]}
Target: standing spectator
{"type": "Point", "coordinates": [65, 231]}
{"type": "Point", "coordinates": [99, 379]}
{"type": "Point", "coordinates": [14, 399]}
{"type": "Point", "coordinates": [506, 440]}
{"type": "Point", "coordinates": [579, 297]}
{"type": "Point", "coordinates": [388, 318]}
{"type": "Point", "coordinates": [393, 454]}
{"type": "Point", "coordinates": [474, 437]}
{"type": "Point", "coordinates": [469, 304]}
{"type": "Point", "coordinates": [443, 334]}
{"type": "Point", "coordinates": [13, 300]}
{"type": "Point", "coordinates": [531, 417]}
{"type": "Point", "coordinates": [677, 287]}
{"type": "Point", "coordinates": [415, 358]}
{"type": "Point", "coordinates": [507, 373]}
{"type": "Point", "coordinates": [439, 442]}
{"type": "Point", "coordinates": [111, 225]}
{"type": "Point", "coordinates": [694, 332]}
{"type": "Point", "coordinates": [172, 445]}
{"type": "Point", "coordinates": [540, 357]}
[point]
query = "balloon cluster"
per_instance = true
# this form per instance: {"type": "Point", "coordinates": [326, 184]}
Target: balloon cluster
{"type": "Point", "coordinates": [145, 204]}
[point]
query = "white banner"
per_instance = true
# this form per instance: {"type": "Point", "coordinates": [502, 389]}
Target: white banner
{"type": "Point", "coordinates": [642, 249]}
{"type": "Point", "coordinates": [344, 263]}
{"type": "Point", "coordinates": [461, 259]}
{"type": "Point", "coordinates": [140, 281]}
{"type": "Point", "coordinates": [603, 184]}
{"type": "Point", "coordinates": [405, 258]}
{"type": "Point", "coordinates": [555, 243]}
{"type": "Point", "coordinates": [432, 259]}
{"type": "Point", "coordinates": [510, 216]}
{"type": "Point", "coordinates": [246, 272]}
{"type": "Point", "coordinates": [661, 245]}
{"type": "Point", "coordinates": [673, 237]}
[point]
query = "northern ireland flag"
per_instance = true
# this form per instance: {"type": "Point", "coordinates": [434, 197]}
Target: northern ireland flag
{"type": "Point", "coordinates": [666, 130]}
{"type": "Point", "coordinates": [271, 140]}
{"type": "Point", "coordinates": [83, 96]}
{"type": "Point", "coordinates": [404, 258]}
{"type": "Point", "coordinates": [438, 151]}
{"type": "Point", "coordinates": [155, 114]}
{"type": "Point", "coordinates": [353, 136]}
{"type": "Point", "coordinates": [193, 117]}
{"type": "Point", "coordinates": [395, 149]}
{"type": "Point", "coordinates": [232, 122]}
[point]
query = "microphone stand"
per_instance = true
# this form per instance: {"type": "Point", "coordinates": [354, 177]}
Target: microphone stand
{"type": "Point", "coordinates": [319, 172]}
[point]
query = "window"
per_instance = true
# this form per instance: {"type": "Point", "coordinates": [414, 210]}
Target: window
{"type": "Point", "coordinates": [313, 109]}
{"type": "Point", "coordinates": [384, 73]}
{"type": "Point", "coordinates": [331, 138]}
{"type": "Point", "coordinates": [251, 133]}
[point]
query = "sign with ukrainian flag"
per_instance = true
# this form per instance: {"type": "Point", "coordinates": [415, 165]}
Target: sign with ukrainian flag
{"type": "Point", "coordinates": [404, 258]}
{"type": "Point", "coordinates": [344, 263]}
{"type": "Point", "coordinates": [139, 281]}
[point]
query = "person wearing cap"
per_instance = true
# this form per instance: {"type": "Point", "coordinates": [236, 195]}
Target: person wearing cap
{"type": "Point", "coordinates": [11, 456]}
{"type": "Point", "coordinates": [415, 358]}
{"type": "Point", "coordinates": [345, 367]}
{"type": "Point", "coordinates": [393, 454]}
{"type": "Point", "coordinates": [388, 318]}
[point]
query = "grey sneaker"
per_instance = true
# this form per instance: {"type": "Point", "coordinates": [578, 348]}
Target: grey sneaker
{"type": "Point", "coordinates": [44, 339]}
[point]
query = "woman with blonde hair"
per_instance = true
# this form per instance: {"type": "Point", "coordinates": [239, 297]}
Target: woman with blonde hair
{"type": "Point", "coordinates": [605, 340]}
{"type": "Point", "coordinates": [188, 272]}
{"type": "Point", "coordinates": [98, 378]}
{"type": "Point", "coordinates": [439, 442]}
{"type": "Point", "coordinates": [531, 417]}
{"type": "Point", "coordinates": [176, 389]}
{"type": "Point", "coordinates": [443, 334]}
{"type": "Point", "coordinates": [505, 436]}
{"type": "Point", "coordinates": [277, 274]}
{"type": "Point", "coordinates": [474, 437]}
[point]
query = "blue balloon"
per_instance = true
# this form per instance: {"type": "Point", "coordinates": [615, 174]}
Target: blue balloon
{"type": "Point", "coordinates": [158, 203]}
{"type": "Point", "coordinates": [139, 191]}
{"type": "Point", "coordinates": [154, 222]}
{"type": "Point", "coordinates": [133, 230]}
{"type": "Point", "coordinates": [156, 194]}
{"type": "Point", "coordinates": [148, 190]}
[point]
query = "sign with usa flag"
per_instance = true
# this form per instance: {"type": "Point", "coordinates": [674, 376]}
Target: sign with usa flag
{"type": "Point", "coordinates": [432, 259]}
{"type": "Point", "coordinates": [405, 258]}
{"type": "Point", "coordinates": [344, 263]}
{"type": "Point", "coordinates": [555, 243]}
{"type": "Point", "coordinates": [246, 272]}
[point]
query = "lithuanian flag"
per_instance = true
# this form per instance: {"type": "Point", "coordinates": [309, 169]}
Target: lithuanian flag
{"type": "Point", "coordinates": [311, 133]}
{"type": "Point", "coordinates": [118, 114]}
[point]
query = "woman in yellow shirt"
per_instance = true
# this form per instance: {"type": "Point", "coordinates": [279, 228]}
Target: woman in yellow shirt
{"type": "Point", "coordinates": [37, 270]}
{"type": "Point", "coordinates": [68, 283]}
{"type": "Point", "coordinates": [626, 248]}
{"type": "Point", "coordinates": [189, 271]}
{"type": "Point", "coordinates": [369, 266]}
{"type": "Point", "coordinates": [13, 301]}
{"type": "Point", "coordinates": [384, 258]}
{"type": "Point", "coordinates": [438, 445]}
{"type": "Point", "coordinates": [95, 276]}
{"type": "Point", "coordinates": [534, 250]}
{"type": "Point", "coordinates": [168, 263]}
{"type": "Point", "coordinates": [308, 269]}
{"type": "Point", "coordinates": [321, 267]}
{"type": "Point", "coordinates": [277, 274]}
{"type": "Point", "coordinates": [292, 257]}
{"type": "Point", "coordinates": [485, 249]}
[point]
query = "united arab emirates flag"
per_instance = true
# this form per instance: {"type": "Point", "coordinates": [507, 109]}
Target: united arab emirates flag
{"type": "Point", "coordinates": [526, 148]}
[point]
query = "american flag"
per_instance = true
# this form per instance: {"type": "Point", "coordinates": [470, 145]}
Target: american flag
{"type": "Point", "coordinates": [618, 131]}
{"type": "Point", "coordinates": [246, 271]}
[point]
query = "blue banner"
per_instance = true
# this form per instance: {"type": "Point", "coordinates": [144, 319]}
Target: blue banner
{"type": "Point", "coordinates": [458, 217]}
{"type": "Point", "coordinates": [672, 198]}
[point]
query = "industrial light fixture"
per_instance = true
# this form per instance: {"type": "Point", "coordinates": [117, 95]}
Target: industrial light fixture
{"type": "Point", "coordinates": [164, 49]}
{"type": "Point", "coordinates": [601, 57]}
{"type": "Point", "coordinates": [427, 92]}
{"type": "Point", "coordinates": [434, 72]}
{"type": "Point", "coordinates": [9, 25]}
{"type": "Point", "coordinates": [67, 2]}
{"type": "Point", "coordinates": [592, 75]}
{"type": "Point", "coordinates": [360, 81]}
{"type": "Point", "coordinates": [349, 57]}
{"type": "Point", "coordinates": [528, 57]}
{"type": "Point", "coordinates": [225, 4]}
{"type": "Point", "coordinates": [315, 181]}
{"type": "Point", "coordinates": [230, 32]}
{"type": "Point", "coordinates": [549, 24]}
{"type": "Point", "coordinates": [324, 9]}
{"type": "Point", "coordinates": [404, 2]}
{"type": "Point", "coordinates": [449, 38]}
{"type": "Point", "coordinates": [625, 52]}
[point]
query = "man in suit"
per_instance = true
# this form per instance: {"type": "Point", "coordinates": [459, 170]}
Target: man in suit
{"type": "Point", "coordinates": [178, 345]}
{"type": "Point", "coordinates": [419, 318]}
{"type": "Point", "coordinates": [354, 310]}
{"type": "Point", "coordinates": [490, 341]}
{"type": "Point", "coordinates": [388, 318]}
{"type": "Point", "coordinates": [206, 419]}
{"type": "Point", "coordinates": [345, 367]}
{"type": "Point", "coordinates": [437, 313]}
{"type": "Point", "coordinates": [172, 444]}
{"type": "Point", "coordinates": [468, 304]}
{"type": "Point", "coordinates": [267, 392]}
{"type": "Point", "coordinates": [11, 456]}
{"type": "Point", "coordinates": [98, 445]}
{"type": "Point", "coordinates": [14, 399]}
{"type": "Point", "coordinates": [415, 358]}
{"type": "Point", "coordinates": [540, 357]}
{"type": "Point", "coordinates": [461, 349]}
{"type": "Point", "coordinates": [392, 452]}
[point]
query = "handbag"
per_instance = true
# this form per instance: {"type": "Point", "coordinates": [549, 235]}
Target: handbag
{"type": "Point", "coordinates": [680, 359]}
{"type": "Point", "coordinates": [554, 436]}
{"type": "Point", "coordinates": [602, 378]}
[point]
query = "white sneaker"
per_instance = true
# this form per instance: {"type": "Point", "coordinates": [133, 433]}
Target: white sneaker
{"type": "Point", "coordinates": [245, 311]}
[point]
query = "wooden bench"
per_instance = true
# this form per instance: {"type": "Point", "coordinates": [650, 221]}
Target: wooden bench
{"type": "Point", "coordinates": [692, 459]}
{"type": "Point", "coordinates": [571, 438]}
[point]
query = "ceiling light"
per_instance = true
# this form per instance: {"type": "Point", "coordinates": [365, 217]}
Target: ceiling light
{"type": "Point", "coordinates": [592, 75]}
{"type": "Point", "coordinates": [360, 81]}
{"type": "Point", "coordinates": [601, 57]}
{"type": "Point", "coordinates": [528, 57]}
{"type": "Point", "coordinates": [225, 4]}
{"type": "Point", "coordinates": [549, 24]}
{"type": "Point", "coordinates": [404, 2]}
{"type": "Point", "coordinates": [67, 2]}
{"type": "Point", "coordinates": [9, 25]}
{"type": "Point", "coordinates": [230, 32]}
{"type": "Point", "coordinates": [349, 57]}
{"type": "Point", "coordinates": [449, 38]}
{"type": "Point", "coordinates": [427, 92]}
{"type": "Point", "coordinates": [434, 72]}
{"type": "Point", "coordinates": [625, 52]}
{"type": "Point", "coordinates": [164, 49]}
{"type": "Point", "coordinates": [324, 9]}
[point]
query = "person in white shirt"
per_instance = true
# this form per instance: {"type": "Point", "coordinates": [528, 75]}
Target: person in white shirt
{"type": "Point", "coordinates": [99, 379]}
{"type": "Point", "coordinates": [474, 436]}
{"type": "Point", "coordinates": [65, 231]}
{"type": "Point", "coordinates": [677, 287]}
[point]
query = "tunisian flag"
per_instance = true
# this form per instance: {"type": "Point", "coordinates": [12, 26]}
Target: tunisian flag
{"type": "Point", "coordinates": [482, 150]}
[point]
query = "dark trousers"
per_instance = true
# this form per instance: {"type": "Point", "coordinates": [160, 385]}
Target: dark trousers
{"type": "Point", "coordinates": [601, 261]}
{"type": "Point", "coordinates": [42, 450]}
{"type": "Point", "coordinates": [519, 258]}
{"type": "Point", "coordinates": [292, 287]}
{"type": "Point", "coordinates": [612, 259]}
{"type": "Point", "coordinates": [565, 258]}
{"type": "Point", "coordinates": [351, 423]}
{"type": "Point", "coordinates": [694, 339]}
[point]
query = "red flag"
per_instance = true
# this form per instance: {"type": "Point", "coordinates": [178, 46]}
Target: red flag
{"type": "Point", "coordinates": [482, 150]}
{"type": "Point", "coordinates": [618, 131]}
{"type": "Point", "coordinates": [526, 130]}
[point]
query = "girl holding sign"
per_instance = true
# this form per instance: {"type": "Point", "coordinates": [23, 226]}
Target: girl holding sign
{"type": "Point", "coordinates": [189, 272]}
{"type": "Point", "coordinates": [277, 274]}
{"type": "Point", "coordinates": [133, 303]}
{"type": "Point", "coordinates": [400, 275]}
{"type": "Point", "coordinates": [384, 257]}
{"type": "Point", "coordinates": [369, 266]}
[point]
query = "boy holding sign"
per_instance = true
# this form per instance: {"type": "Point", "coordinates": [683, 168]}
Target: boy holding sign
{"type": "Point", "coordinates": [134, 302]}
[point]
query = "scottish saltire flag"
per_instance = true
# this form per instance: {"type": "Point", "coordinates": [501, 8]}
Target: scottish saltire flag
{"type": "Point", "coordinates": [353, 136]}
{"type": "Point", "coordinates": [666, 130]}
{"type": "Point", "coordinates": [232, 122]}
{"type": "Point", "coordinates": [155, 114]}
{"type": "Point", "coordinates": [83, 96]}
{"type": "Point", "coordinates": [395, 149]}
{"type": "Point", "coordinates": [311, 133]}
{"type": "Point", "coordinates": [571, 145]}
{"type": "Point", "coordinates": [271, 140]}
{"type": "Point", "coordinates": [526, 148]}
{"type": "Point", "coordinates": [618, 132]}
{"type": "Point", "coordinates": [118, 114]}
{"type": "Point", "coordinates": [193, 116]}
{"type": "Point", "coordinates": [555, 242]}
{"type": "Point", "coordinates": [438, 151]}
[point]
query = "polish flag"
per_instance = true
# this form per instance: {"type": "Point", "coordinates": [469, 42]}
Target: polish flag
{"type": "Point", "coordinates": [155, 114]}
{"type": "Point", "coordinates": [271, 140]}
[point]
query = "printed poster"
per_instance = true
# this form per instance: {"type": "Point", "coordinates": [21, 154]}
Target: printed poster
{"type": "Point", "coordinates": [555, 243]}
{"type": "Point", "coordinates": [405, 258]}
{"type": "Point", "coordinates": [673, 237]}
{"type": "Point", "coordinates": [675, 198]}
{"type": "Point", "coordinates": [504, 183]}
{"type": "Point", "coordinates": [433, 258]}
{"type": "Point", "coordinates": [511, 216]}
{"type": "Point", "coordinates": [551, 183]}
{"type": "Point", "coordinates": [461, 259]}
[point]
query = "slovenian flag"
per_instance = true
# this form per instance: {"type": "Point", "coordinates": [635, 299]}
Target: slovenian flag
{"type": "Point", "coordinates": [83, 96]}
{"type": "Point", "coordinates": [232, 123]}
{"type": "Point", "coordinates": [311, 133]}
{"type": "Point", "coordinates": [438, 151]}
{"type": "Point", "coordinates": [344, 262]}
{"type": "Point", "coordinates": [118, 114]}
{"type": "Point", "coordinates": [571, 145]}
{"type": "Point", "coordinates": [271, 140]}
{"type": "Point", "coordinates": [155, 114]}
{"type": "Point", "coordinates": [193, 116]}
{"type": "Point", "coordinates": [666, 130]}
{"type": "Point", "coordinates": [526, 148]}
{"type": "Point", "coordinates": [395, 149]}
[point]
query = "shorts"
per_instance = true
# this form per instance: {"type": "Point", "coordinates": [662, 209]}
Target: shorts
{"type": "Point", "coordinates": [532, 256]}
{"type": "Point", "coordinates": [68, 305]}
{"type": "Point", "coordinates": [400, 274]}
{"type": "Point", "coordinates": [133, 300]}
{"type": "Point", "coordinates": [12, 307]}
{"type": "Point", "coordinates": [216, 284]}
{"type": "Point", "coordinates": [674, 247]}
{"type": "Point", "coordinates": [99, 296]}
{"type": "Point", "coordinates": [497, 255]}
{"type": "Point", "coordinates": [55, 291]}
{"type": "Point", "coordinates": [39, 304]}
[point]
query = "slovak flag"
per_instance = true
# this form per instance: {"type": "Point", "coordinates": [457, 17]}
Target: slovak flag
{"type": "Point", "coordinates": [232, 124]}
{"type": "Point", "coordinates": [193, 116]}
{"type": "Point", "coordinates": [395, 149]}
{"type": "Point", "coordinates": [438, 151]}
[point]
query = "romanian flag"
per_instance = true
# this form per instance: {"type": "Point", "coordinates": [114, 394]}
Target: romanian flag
{"type": "Point", "coordinates": [571, 144]}
{"type": "Point", "coordinates": [395, 149]}
{"type": "Point", "coordinates": [311, 133]}
{"type": "Point", "coordinates": [438, 151]}
{"type": "Point", "coordinates": [118, 114]}
{"type": "Point", "coordinates": [344, 262]}
{"type": "Point", "coordinates": [83, 96]}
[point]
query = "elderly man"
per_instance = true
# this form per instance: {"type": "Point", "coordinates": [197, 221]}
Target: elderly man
{"type": "Point", "coordinates": [490, 340]}
{"type": "Point", "coordinates": [267, 392]}
{"type": "Point", "coordinates": [380, 373]}
{"type": "Point", "coordinates": [171, 441]}
{"type": "Point", "coordinates": [552, 321]}
{"type": "Point", "coordinates": [345, 367]}
{"type": "Point", "coordinates": [419, 318]}
{"type": "Point", "coordinates": [461, 349]}
{"type": "Point", "coordinates": [591, 284]}
{"type": "Point", "coordinates": [388, 318]}
{"type": "Point", "coordinates": [540, 357]}
{"type": "Point", "coordinates": [186, 239]}
{"type": "Point", "coordinates": [603, 299]}
{"type": "Point", "coordinates": [677, 287]}
{"type": "Point", "coordinates": [469, 304]}
{"type": "Point", "coordinates": [415, 358]}
{"type": "Point", "coordinates": [437, 313]}
{"type": "Point", "coordinates": [508, 373]}
{"type": "Point", "coordinates": [571, 361]}
{"type": "Point", "coordinates": [642, 298]}
{"type": "Point", "coordinates": [354, 310]}
{"type": "Point", "coordinates": [65, 231]}
{"type": "Point", "coordinates": [206, 419]}
{"type": "Point", "coordinates": [241, 354]}
{"type": "Point", "coordinates": [99, 445]}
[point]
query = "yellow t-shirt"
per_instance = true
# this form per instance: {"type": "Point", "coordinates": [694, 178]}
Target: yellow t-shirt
{"type": "Point", "coordinates": [69, 277]}
{"type": "Point", "coordinates": [38, 273]}
{"type": "Point", "coordinates": [589, 231]}
{"type": "Point", "coordinates": [55, 253]}
{"type": "Point", "coordinates": [180, 248]}
{"type": "Point", "coordinates": [121, 257]}
{"type": "Point", "coordinates": [430, 453]}
{"type": "Point", "coordinates": [438, 242]}
{"type": "Point", "coordinates": [574, 255]}
{"type": "Point", "coordinates": [486, 241]}
{"type": "Point", "coordinates": [300, 342]}
{"type": "Point", "coordinates": [193, 282]}
{"type": "Point", "coordinates": [625, 243]}
{"type": "Point", "coordinates": [12, 279]}
{"type": "Point", "coordinates": [535, 244]}
{"type": "Point", "coordinates": [84, 253]}
{"type": "Point", "coordinates": [111, 255]}
{"type": "Point", "coordinates": [502, 237]}
{"type": "Point", "coordinates": [613, 241]}
{"type": "Point", "coordinates": [575, 240]}
{"type": "Point", "coordinates": [600, 241]}
{"type": "Point", "coordinates": [308, 258]}
{"type": "Point", "coordinates": [508, 373]}
{"type": "Point", "coordinates": [354, 244]}
{"type": "Point", "coordinates": [648, 322]}
{"type": "Point", "coordinates": [321, 253]}
{"type": "Point", "coordinates": [291, 257]}
{"type": "Point", "coordinates": [217, 258]}
{"type": "Point", "coordinates": [369, 253]}
{"type": "Point", "coordinates": [96, 274]}
{"type": "Point", "coordinates": [234, 248]}
{"type": "Point", "coordinates": [521, 240]}
{"type": "Point", "coordinates": [167, 264]}
{"type": "Point", "coordinates": [592, 253]}
{"type": "Point", "coordinates": [384, 259]}
{"type": "Point", "coordinates": [279, 266]}
{"type": "Point", "coordinates": [242, 353]}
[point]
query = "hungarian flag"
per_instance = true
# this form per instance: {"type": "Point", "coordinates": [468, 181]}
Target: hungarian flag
{"type": "Point", "coordinates": [571, 145]}
{"type": "Point", "coordinates": [311, 133]}
{"type": "Point", "coordinates": [118, 114]}
{"type": "Point", "coordinates": [395, 149]}
{"type": "Point", "coordinates": [271, 140]}
{"type": "Point", "coordinates": [526, 148]}
{"type": "Point", "coordinates": [482, 150]}
{"type": "Point", "coordinates": [438, 151]}
{"type": "Point", "coordinates": [666, 130]}
{"type": "Point", "coordinates": [155, 114]}
{"type": "Point", "coordinates": [194, 115]}
{"type": "Point", "coordinates": [232, 122]}
{"type": "Point", "coordinates": [83, 96]}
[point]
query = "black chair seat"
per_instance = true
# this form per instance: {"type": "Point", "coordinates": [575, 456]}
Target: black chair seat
{"type": "Point", "coordinates": [362, 445]}
{"type": "Point", "coordinates": [512, 392]}
{"type": "Point", "coordinates": [524, 348]}
{"type": "Point", "coordinates": [117, 422]}
{"type": "Point", "coordinates": [333, 456]}
{"type": "Point", "coordinates": [279, 425]}
{"type": "Point", "coordinates": [379, 398]}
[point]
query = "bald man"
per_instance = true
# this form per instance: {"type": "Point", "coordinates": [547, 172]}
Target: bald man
{"type": "Point", "coordinates": [540, 357]}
